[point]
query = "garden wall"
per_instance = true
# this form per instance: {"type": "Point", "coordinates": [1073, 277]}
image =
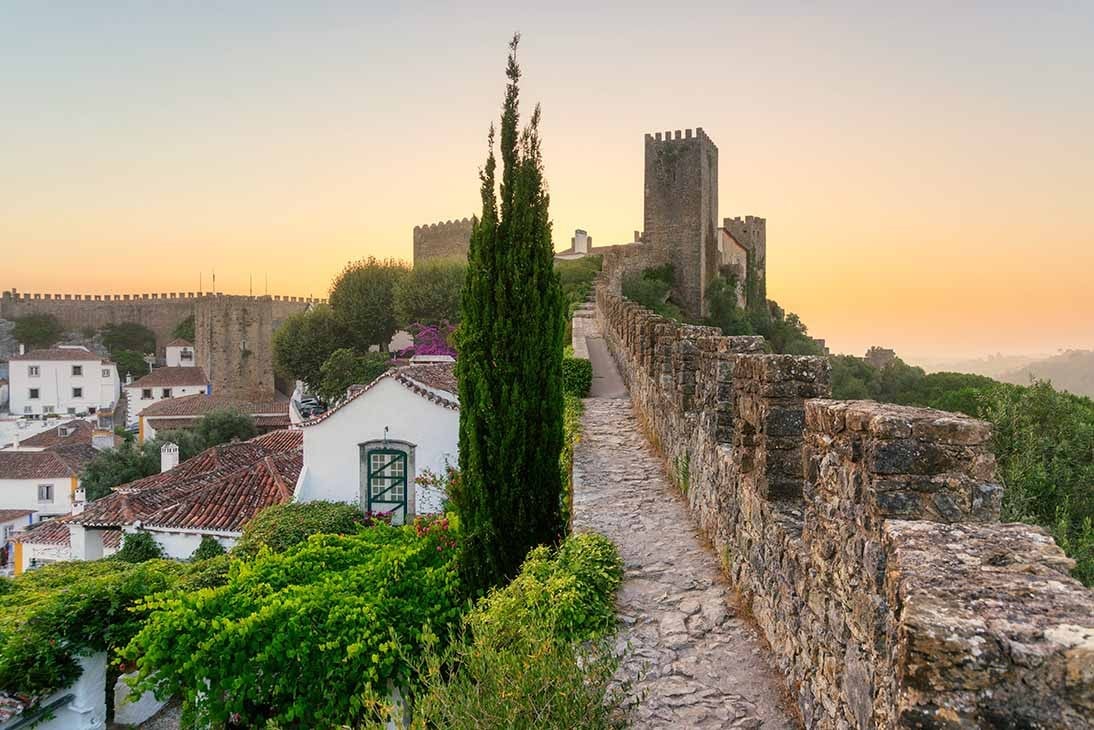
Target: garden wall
{"type": "Point", "coordinates": [864, 538]}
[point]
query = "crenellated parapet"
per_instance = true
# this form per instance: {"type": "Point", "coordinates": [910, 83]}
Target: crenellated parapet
{"type": "Point", "coordinates": [446, 239]}
{"type": "Point", "coordinates": [862, 537]}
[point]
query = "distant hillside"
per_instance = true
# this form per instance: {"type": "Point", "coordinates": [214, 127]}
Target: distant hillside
{"type": "Point", "coordinates": [1072, 371]}
{"type": "Point", "coordinates": [994, 366]}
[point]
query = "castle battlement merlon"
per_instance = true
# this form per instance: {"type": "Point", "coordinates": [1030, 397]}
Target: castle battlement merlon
{"type": "Point", "coordinates": [679, 135]}
{"type": "Point", "coordinates": [442, 225]}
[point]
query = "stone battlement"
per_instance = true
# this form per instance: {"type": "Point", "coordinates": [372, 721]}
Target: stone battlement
{"type": "Point", "coordinates": [862, 537]}
{"type": "Point", "coordinates": [669, 136]}
{"type": "Point", "coordinates": [444, 240]}
{"type": "Point", "coordinates": [16, 296]}
{"type": "Point", "coordinates": [458, 223]}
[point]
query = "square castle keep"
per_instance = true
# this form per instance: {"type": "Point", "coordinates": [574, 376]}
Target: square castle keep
{"type": "Point", "coordinates": [680, 219]}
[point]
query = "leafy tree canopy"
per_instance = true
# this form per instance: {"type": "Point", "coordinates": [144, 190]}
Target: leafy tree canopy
{"type": "Point", "coordinates": [363, 298]}
{"type": "Point", "coordinates": [429, 294]}
{"type": "Point", "coordinates": [184, 330]}
{"type": "Point", "coordinates": [130, 363]}
{"type": "Point", "coordinates": [37, 330]}
{"type": "Point", "coordinates": [138, 547]}
{"type": "Point", "coordinates": [129, 336]}
{"type": "Point", "coordinates": [345, 368]}
{"type": "Point", "coordinates": [305, 341]}
{"type": "Point", "coordinates": [284, 525]}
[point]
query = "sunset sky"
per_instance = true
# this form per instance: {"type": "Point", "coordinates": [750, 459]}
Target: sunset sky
{"type": "Point", "coordinates": [927, 173]}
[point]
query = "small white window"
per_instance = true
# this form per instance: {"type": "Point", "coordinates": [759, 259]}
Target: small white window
{"type": "Point", "coordinates": [8, 530]}
{"type": "Point", "coordinates": [33, 371]}
{"type": "Point", "coordinates": [71, 411]}
{"type": "Point", "coordinates": [166, 392]}
{"type": "Point", "coordinates": [45, 492]}
{"type": "Point", "coordinates": [48, 409]}
{"type": "Point", "coordinates": [77, 370]}
{"type": "Point", "coordinates": [28, 409]}
{"type": "Point", "coordinates": [77, 392]}
{"type": "Point", "coordinates": [146, 394]}
{"type": "Point", "coordinates": [33, 394]}
{"type": "Point", "coordinates": [106, 372]}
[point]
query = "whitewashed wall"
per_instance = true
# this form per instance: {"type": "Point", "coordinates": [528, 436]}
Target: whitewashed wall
{"type": "Point", "coordinates": [136, 404]}
{"type": "Point", "coordinates": [55, 382]}
{"type": "Point", "coordinates": [332, 447]}
{"type": "Point", "coordinates": [23, 494]}
{"type": "Point", "coordinates": [85, 710]}
{"type": "Point", "coordinates": [174, 357]}
{"type": "Point", "coordinates": [181, 545]}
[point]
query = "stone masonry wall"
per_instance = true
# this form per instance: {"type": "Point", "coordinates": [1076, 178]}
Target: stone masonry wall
{"type": "Point", "coordinates": [235, 345]}
{"type": "Point", "coordinates": [448, 239]}
{"type": "Point", "coordinates": [160, 312]}
{"type": "Point", "coordinates": [862, 537]}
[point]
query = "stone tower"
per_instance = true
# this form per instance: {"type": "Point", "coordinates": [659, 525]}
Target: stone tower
{"type": "Point", "coordinates": [235, 345]}
{"type": "Point", "coordinates": [681, 210]}
{"type": "Point", "coordinates": [751, 232]}
{"type": "Point", "coordinates": [445, 240]}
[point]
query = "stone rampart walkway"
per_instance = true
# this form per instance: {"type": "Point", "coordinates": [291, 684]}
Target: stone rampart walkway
{"type": "Point", "coordinates": [698, 664]}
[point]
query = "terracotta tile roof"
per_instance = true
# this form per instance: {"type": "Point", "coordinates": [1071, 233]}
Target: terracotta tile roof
{"type": "Point", "coordinates": [55, 532]}
{"type": "Point", "coordinates": [168, 377]}
{"type": "Point", "coordinates": [199, 405]}
{"type": "Point", "coordinates": [81, 433]}
{"type": "Point", "coordinates": [284, 439]}
{"type": "Point", "coordinates": [436, 382]}
{"type": "Point", "coordinates": [35, 465]}
{"type": "Point", "coordinates": [61, 353]}
{"type": "Point", "coordinates": [179, 342]}
{"type": "Point", "coordinates": [231, 500]}
{"type": "Point", "coordinates": [7, 515]}
{"type": "Point", "coordinates": [143, 497]}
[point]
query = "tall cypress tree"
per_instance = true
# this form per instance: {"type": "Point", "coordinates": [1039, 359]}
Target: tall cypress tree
{"type": "Point", "coordinates": [510, 361]}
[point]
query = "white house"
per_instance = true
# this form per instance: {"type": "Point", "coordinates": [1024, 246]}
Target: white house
{"type": "Point", "coordinates": [160, 384]}
{"type": "Point", "coordinates": [48, 541]}
{"type": "Point", "coordinates": [65, 379]}
{"type": "Point", "coordinates": [45, 481]}
{"type": "Point", "coordinates": [179, 354]}
{"type": "Point", "coordinates": [212, 494]}
{"type": "Point", "coordinates": [12, 520]}
{"type": "Point", "coordinates": [371, 448]}
{"type": "Point", "coordinates": [3, 393]}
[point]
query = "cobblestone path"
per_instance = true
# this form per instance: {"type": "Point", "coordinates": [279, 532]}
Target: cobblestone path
{"type": "Point", "coordinates": [697, 663]}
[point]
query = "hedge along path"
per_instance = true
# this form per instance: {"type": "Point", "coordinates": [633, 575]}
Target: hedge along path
{"type": "Point", "coordinates": [695, 661]}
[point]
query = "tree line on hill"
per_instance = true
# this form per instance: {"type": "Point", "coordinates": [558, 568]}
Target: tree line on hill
{"type": "Point", "coordinates": [1043, 438]}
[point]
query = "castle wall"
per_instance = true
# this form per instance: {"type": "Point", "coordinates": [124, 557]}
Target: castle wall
{"type": "Point", "coordinates": [158, 312]}
{"type": "Point", "coordinates": [681, 210]}
{"type": "Point", "coordinates": [751, 232]}
{"type": "Point", "coordinates": [449, 239]}
{"type": "Point", "coordinates": [235, 345]}
{"type": "Point", "coordinates": [863, 538]}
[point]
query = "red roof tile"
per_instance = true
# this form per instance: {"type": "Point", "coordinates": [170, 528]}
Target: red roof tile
{"type": "Point", "coordinates": [36, 465]}
{"type": "Point", "coordinates": [284, 439]}
{"type": "Point", "coordinates": [168, 377]}
{"type": "Point", "coordinates": [227, 503]}
{"type": "Point", "coordinates": [55, 532]}
{"type": "Point", "coordinates": [199, 405]}
{"type": "Point", "coordinates": [139, 499]}
{"type": "Point", "coordinates": [81, 433]}
{"type": "Point", "coordinates": [179, 342]}
{"type": "Point", "coordinates": [7, 515]}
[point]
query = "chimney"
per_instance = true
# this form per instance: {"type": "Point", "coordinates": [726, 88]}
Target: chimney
{"type": "Point", "coordinates": [169, 457]}
{"type": "Point", "coordinates": [102, 439]}
{"type": "Point", "coordinates": [22, 349]}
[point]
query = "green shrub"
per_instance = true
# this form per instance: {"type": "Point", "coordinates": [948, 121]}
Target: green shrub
{"type": "Point", "coordinates": [577, 376]}
{"type": "Point", "coordinates": [533, 654]}
{"type": "Point", "coordinates": [300, 638]}
{"type": "Point", "coordinates": [209, 548]}
{"type": "Point", "coordinates": [138, 547]}
{"type": "Point", "coordinates": [569, 593]}
{"type": "Point", "coordinates": [282, 526]}
{"type": "Point", "coordinates": [57, 612]}
{"type": "Point", "coordinates": [571, 424]}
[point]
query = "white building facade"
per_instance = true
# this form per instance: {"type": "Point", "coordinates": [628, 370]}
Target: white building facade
{"type": "Point", "coordinates": [179, 354]}
{"type": "Point", "coordinates": [371, 449]}
{"type": "Point", "coordinates": [64, 380]}
{"type": "Point", "coordinates": [161, 384]}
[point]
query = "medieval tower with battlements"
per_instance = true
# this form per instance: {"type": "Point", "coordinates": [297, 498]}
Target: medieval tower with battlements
{"type": "Point", "coordinates": [681, 210]}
